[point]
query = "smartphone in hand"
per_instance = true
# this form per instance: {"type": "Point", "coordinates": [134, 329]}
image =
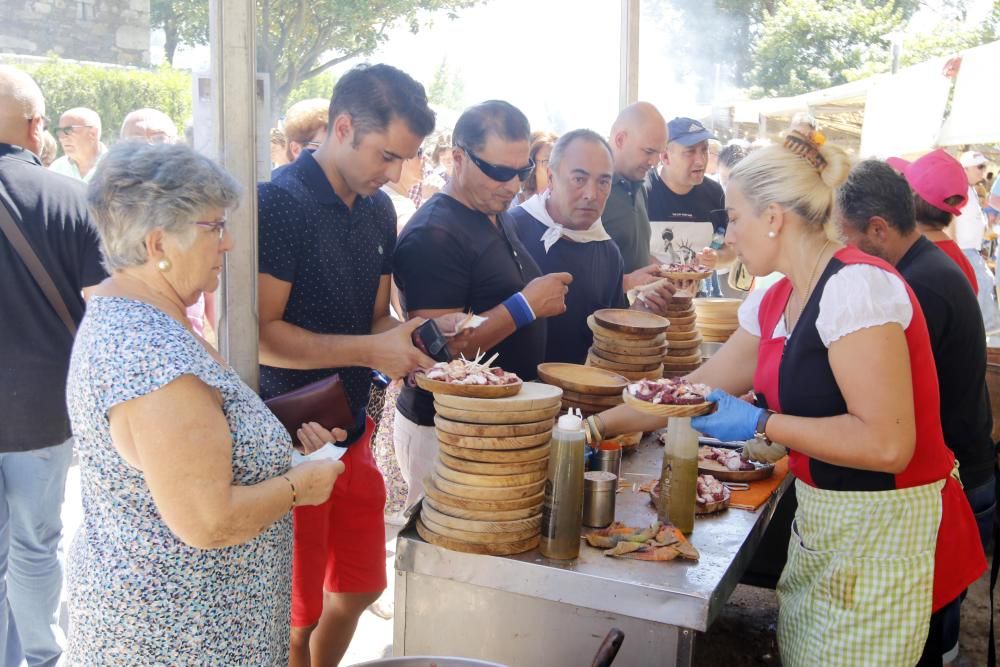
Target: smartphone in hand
{"type": "Point", "coordinates": [429, 340]}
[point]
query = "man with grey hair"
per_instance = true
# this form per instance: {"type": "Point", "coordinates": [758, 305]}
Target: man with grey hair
{"type": "Point", "coordinates": [35, 342]}
{"type": "Point", "coordinates": [79, 132]}
{"type": "Point", "coordinates": [149, 125]}
{"type": "Point", "coordinates": [562, 230]}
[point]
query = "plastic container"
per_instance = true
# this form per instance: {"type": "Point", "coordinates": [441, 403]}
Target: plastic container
{"type": "Point", "coordinates": [562, 513]}
{"type": "Point", "coordinates": [679, 476]}
{"type": "Point", "coordinates": [599, 487]}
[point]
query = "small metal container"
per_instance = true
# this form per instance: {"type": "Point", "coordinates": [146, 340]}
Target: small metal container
{"type": "Point", "coordinates": [599, 487]}
{"type": "Point", "coordinates": [608, 457]}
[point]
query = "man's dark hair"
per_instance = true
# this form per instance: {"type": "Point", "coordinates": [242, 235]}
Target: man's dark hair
{"type": "Point", "coordinates": [494, 117]}
{"type": "Point", "coordinates": [567, 139]}
{"type": "Point", "coordinates": [731, 154]}
{"type": "Point", "coordinates": [873, 188]}
{"type": "Point", "coordinates": [930, 215]}
{"type": "Point", "coordinates": [374, 95]}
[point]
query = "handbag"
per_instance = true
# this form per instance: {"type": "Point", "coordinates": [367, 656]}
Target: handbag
{"type": "Point", "coordinates": [35, 267]}
{"type": "Point", "coordinates": [324, 402]}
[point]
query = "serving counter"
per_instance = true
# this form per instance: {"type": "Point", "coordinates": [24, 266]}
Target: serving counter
{"type": "Point", "coordinates": [529, 611]}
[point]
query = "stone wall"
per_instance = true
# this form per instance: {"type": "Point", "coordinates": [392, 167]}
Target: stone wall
{"type": "Point", "coordinates": [108, 31]}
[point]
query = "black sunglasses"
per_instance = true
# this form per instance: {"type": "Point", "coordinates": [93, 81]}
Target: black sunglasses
{"type": "Point", "coordinates": [498, 172]}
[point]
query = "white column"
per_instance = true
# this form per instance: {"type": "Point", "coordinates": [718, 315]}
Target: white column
{"type": "Point", "coordinates": [628, 78]}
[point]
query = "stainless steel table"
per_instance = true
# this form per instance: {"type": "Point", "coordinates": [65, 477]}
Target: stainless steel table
{"type": "Point", "coordinates": [530, 611]}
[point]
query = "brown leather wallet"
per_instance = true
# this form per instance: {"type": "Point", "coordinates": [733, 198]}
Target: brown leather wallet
{"type": "Point", "coordinates": [323, 402]}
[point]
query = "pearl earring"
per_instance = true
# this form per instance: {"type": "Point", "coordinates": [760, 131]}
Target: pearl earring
{"type": "Point", "coordinates": [772, 234]}
{"type": "Point", "coordinates": [164, 264]}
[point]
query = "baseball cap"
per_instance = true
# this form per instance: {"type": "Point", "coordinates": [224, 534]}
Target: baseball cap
{"type": "Point", "coordinates": [972, 159]}
{"type": "Point", "coordinates": [687, 131]}
{"type": "Point", "coordinates": [935, 177]}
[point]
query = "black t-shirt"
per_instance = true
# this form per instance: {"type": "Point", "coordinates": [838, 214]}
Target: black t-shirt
{"type": "Point", "coordinates": [35, 345]}
{"type": "Point", "coordinates": [451, 256]}
{"type": "Point", "coordinates": [955, 325]}
{"type": "Point", "coordinates": [663, 204]}
{"type": "Point", "coordinates": [597, 269]}
{"type": "Point", "coordinates": [626, 221]}
{"type": "Point", "coordinates": [333, 256]}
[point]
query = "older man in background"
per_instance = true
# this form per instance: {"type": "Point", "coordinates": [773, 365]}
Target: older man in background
{"type": "Point", "coordinates": [305, 126]}
{"type": "Point", "coordinates": [151, 126]}
{"type": "Point", "coordinates": [79, 132]}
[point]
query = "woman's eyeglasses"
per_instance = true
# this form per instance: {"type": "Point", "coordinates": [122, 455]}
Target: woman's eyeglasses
{"type": "Point", "coordinates": [498, 172]}
{"type": "Point", "coordinates": [217, 226]}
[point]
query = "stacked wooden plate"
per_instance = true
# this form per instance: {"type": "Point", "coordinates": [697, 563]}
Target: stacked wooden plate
{"type": "Point", "coordinates": [485, 494]}
{"type": "Point", "coordinates": [631, 343]}
{"type": "Point", "coordinates": [683, 339]}
{"type": "Point", "coordinates": [716, 318]}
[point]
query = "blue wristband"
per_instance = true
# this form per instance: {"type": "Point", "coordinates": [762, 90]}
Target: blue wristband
{"type": "Point", "coordinates": [519, 309]}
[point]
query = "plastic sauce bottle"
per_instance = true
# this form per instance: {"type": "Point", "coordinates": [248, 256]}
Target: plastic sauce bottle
{"type": "Point", "coordinates": [562, 513]}
{"type": "Point", "coordinates": [679, 477]}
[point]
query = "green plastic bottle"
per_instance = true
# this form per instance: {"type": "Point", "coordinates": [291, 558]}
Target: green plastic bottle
{"type": "Point", "coordinates": [562, 513]}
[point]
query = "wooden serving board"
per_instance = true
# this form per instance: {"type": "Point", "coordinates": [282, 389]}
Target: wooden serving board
{"type": "Point", "coordinates": [475, 390]}
{"type": "Point", "coordinates": [474, 536]}
{"type": "Point", "coordinates": [592, 399]}
{"type": "Point", "coordinates": [722, 473]}
{"type": "Point", "coordinates": [614, 334]}
{"type": "Point", "coordinates": [676, 359]}
{"type": "Point", "coordinates": [630, 348]}
{"type": "Point", "coordinates": [431, 490]}
{"type": "Point", "coordinates": [681, 336]}
{"type": "Point", "coordinates": [533, 396]}
{"type": "Point", "coordinates": [691, 344]}
{"type": "Point", "coordinates": [678, 371]}
{"type": "Point", "coordinates": [498, 417]}
{"type": "Point", "coordinates": [501, 443]}
{"type": "Point", "coordinates": [492, 468]}
{"type": "Point", "coordinates": [496, 455]}
{"type": "Point", "coordinates": [681, 321]}
{"type": "Point", "coordinates": [586, 408]}
{"type": "Point", "coordinates": [647, 375]}
{"type": "Point", "coordinates": [712, 338]}
{"type": "Point", "coordinates": [530, 523]}
{"type": "Point", "coordinates": [505, 549]}
{"type": "Point", "coordinates": [482, 515]}
{"type": "Point", "coordinates": [631, 321]}
{"type": "Point", "coordinates": [717, 304]}
{"type": "Point", "coordinates": [688, 329]}
{"type": "Point", "coordinates": [625, 358]}
{"type": "Point", "coordinates": [488, 481]}
{"type": "Point", "coordinates": [615, 366]}
{"type": "Point", "coordinates": [582, 379]}
{"type": "Point", "coordinates": [493, 430]}
{"type": "Point", "coordinates": [667, 410]}
{"type": "Point", "coordinates": [488, 492]}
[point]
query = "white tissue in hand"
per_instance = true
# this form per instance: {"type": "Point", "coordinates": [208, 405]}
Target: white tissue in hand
{"type": "Point", "coordinates": [328, 452]}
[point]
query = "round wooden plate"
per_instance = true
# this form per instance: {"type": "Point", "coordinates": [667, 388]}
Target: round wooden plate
{"type": "Point", "coordinates": [474, 536]}
{"type": "Point", "coordinates": [496, 418]}
{"type": "Point", "coordinates": [712, 338]}
{"type": "Point", "coordinates": [493, 430]}
{"type": "Point", "coordinates": [699, 509]}
{"type": "Point", "coordinates": [629, 347]}
{"type": "Point", "coordinates": [489, 481]}
{"type": "Point", "coordinates": [507, 549]}
{"type": "Point", "coordinates": [717, 304]}
{"type": "Point", "coordinates": [496, 455]}
{"type": "Point", "coordinates": [592, 399]}
{"type": "Point", "coordinates": [489, 525]}
{"type": "Point", "coordinates": [676, 359]}
{"type": "Point", "coordinates": [533, 396]}
{"type": "Point", "coordinates": [679, 371]}
{"type": "Point", "coordinates": [631, 321]}
{"type": "Point", "coordinates": [431, 490]}
{"type": "Point", "coordinates": [679, 310]}
{"type": "Point", "coordinates": [720, 472]}
{"type": "Point", "coordinates": [625, 358]}
{"type": "Point", "coordinates": [482, 515]}
{"type": "Point", "coordinates": [485, 443]}
{"type": "Point", "coordinates": [675, 336]}
{"type": "Point", "coordinates": [492, 468]}
{"type": "Point", "coordinates": [488, 492]}
{"type": "Point", "coordinates": [685, 275]}
{"type": "Point", "coordinates": [474, 390]}
{"type": "Point", "coordinates": [662, 410]}
{"type": "Point", "coordinates": [616, 366]}
{"type": "Point", "coordinates": [582, 379]}
{"type": "Point", "coordinates": [586, 408]}
{"type": "Point", "coordinates": [681, 321]}
{"type": "Point", "coordinates": [644, 375]}
{"type": "Point", "coordinates": [688, 329]}
{"type": "Point", "coordinates": [682, 345]}
{"type": "Point", "coordinates": [613, 334]}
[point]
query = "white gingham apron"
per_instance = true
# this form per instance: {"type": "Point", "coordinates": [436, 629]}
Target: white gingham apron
{"type": "Point", "coordinates": [858, 584]}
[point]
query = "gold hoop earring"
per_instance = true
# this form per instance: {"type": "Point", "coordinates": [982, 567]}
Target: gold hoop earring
{"type": "Point", "coordinates": [164, 265]}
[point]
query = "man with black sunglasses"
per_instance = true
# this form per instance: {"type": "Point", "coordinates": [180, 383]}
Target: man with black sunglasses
{"type": "Point", "coordinates": [460, 253]}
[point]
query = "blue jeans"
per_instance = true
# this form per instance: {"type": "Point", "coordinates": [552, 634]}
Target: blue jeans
{"type": "Point", "coordinates": [983, 501]}
{"type": "Point", "coordinates": [32, 487]}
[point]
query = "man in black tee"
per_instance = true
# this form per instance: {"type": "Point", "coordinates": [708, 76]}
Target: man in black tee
{"type": "Point", "coordinates": [678, 192]}
{"type": "Point", "coordinates": [460, 253]}
{"type": "Point", "coordinates": [35, 344]}
{"type": "Point", "coordinates": [562, 230]}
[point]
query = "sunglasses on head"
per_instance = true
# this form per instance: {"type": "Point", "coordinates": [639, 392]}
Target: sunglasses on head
{"type": "Point", "coordinates": [498, 172]}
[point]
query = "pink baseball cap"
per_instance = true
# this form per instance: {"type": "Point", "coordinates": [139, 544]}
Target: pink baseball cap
{"type": "Point", "coordinates": [935, 177]}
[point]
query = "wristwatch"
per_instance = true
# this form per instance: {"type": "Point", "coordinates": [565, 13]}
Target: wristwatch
{"type": "Point", "coordinates": [762, 426]}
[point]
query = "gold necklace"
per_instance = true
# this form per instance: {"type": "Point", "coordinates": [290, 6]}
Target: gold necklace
{"type": "Point", "coordinates": [809, 287]}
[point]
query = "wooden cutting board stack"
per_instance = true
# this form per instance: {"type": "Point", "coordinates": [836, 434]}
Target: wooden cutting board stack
{"type": "Point", "coordinates": [485, 494]}
{"type": "Point", "coordinates": [716, 318]}
{"type": "Point", "coordinates": [631, 343]}
{"type": "Point", "coordinates": [683, 339]}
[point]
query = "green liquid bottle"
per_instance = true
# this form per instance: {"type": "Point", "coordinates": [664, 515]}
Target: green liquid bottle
{"type": "Point", "coordinates": [562, 513]}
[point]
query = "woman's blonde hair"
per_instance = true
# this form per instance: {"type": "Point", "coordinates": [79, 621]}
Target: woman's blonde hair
{"type": "Point", "coordinates": [778, 175]}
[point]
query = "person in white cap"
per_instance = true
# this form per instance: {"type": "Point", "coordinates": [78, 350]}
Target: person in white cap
{"type": "Point", "coordinates": [968, 231]}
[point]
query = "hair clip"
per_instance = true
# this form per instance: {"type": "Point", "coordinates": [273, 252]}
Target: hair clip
{"type": "Point", "coordinates": [807, 148]}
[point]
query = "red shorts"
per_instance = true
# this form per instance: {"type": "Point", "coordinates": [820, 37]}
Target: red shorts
{"type": "Point", "coordinates": [340, 545]}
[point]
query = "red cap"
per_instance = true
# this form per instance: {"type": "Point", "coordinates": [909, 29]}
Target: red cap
{"type": "Point", "coordinates": [935, 177]}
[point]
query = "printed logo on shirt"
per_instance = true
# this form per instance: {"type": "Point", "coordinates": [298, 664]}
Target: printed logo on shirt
{"type": "Point", "coordinates": [380, 251]}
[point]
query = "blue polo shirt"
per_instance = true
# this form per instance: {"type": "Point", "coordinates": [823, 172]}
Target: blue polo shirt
{"type": "Point", "coordinates": [333, 256]}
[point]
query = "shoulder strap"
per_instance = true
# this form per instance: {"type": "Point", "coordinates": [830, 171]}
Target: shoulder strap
{"type": "Point", "coordinates": [772, 307]}
{"type": "Point", "coordinates": [34, 265]}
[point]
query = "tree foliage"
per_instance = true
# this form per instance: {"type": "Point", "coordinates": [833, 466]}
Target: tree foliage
{"type": "Point", "coordinates": [446, 88]}
{"type": "Point", "coordinates": [182, 22]}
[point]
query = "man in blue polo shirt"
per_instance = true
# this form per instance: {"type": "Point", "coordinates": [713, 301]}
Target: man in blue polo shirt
{"type": "Point", "coordinates": [327, 235]}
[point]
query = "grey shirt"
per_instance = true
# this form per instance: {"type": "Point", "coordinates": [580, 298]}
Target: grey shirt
{"type": "Point", "coordinates": [627, 222]}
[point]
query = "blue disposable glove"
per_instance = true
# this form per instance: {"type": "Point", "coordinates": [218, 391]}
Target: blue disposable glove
{"type": "Point", "coordinates": [733, 419]}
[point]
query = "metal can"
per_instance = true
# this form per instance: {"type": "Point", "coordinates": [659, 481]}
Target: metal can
{"type": "Point", "coordinates": [599, 487]}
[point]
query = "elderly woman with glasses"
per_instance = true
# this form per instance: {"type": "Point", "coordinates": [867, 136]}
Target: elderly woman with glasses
{"type": "Point", "coordinates": [185, 553]}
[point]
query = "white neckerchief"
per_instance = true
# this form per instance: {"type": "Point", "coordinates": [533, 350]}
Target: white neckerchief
{"type": "Point", "coordinates": [536, 208]}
